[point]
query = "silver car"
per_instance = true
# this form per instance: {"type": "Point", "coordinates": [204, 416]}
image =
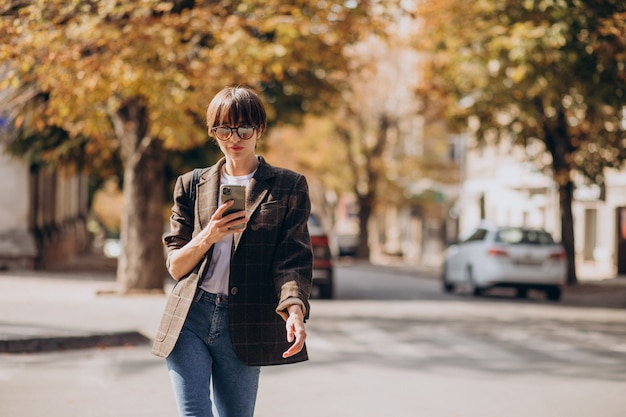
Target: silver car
{"type": "Point", "coordinates": [519, 257]}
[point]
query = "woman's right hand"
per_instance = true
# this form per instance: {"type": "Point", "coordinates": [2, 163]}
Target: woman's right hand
{"type": "Point", "coordinates": [220, 226]}
{"type": "Point", "coordinates": [183, 260]}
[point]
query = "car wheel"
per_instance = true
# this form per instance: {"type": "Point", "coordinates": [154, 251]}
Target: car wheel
{"type": "Point", "coordinates": [470, 284]}
{"type": "Point", "coordinates": [445, 284]}
{"type": "Point", "coordinates": [553, 293]}
{"type": "Point", "coordinates": [522, 292]}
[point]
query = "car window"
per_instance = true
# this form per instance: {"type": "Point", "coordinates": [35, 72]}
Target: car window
{"type": "Point", "coordinates": [476, 236]}
{"type": "Point", "coordinates": [515, 236]}
{"type": "Point", "coordinates": [313, 221]}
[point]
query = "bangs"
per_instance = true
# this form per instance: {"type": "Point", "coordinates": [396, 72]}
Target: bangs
{"type": "Point", "coordinates": [235, 106]}
{"type": "Point", "coordinates": [230, 112]}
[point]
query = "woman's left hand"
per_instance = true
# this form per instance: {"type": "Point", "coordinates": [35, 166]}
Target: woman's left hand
{"type": "Point", "coordinates": [295, 330]}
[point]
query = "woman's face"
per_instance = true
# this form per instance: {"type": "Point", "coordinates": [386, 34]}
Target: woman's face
{"type": "Point", "coordinates": [236, 148]}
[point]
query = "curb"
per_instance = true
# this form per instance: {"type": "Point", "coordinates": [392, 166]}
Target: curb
{"type": "Point", "coordinates": [60, 343]}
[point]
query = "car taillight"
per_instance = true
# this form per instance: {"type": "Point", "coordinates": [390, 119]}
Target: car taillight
{"type": "Point", "coordinates": [557, 256]}
{"type": "Point", "coordinates": [497, 252]}
{"type": "Point", "coordinates": [320, 247]}
{"type": "Point", "coordinates": [319, 241]}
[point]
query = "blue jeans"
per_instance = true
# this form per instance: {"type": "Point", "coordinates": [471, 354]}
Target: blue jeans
{"type": "Point", "coordinates": [204, 354]}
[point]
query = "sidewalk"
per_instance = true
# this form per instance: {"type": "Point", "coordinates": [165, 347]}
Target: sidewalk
{"type": "Point", "coordinates": [45, 311]}
{"type": "Point", "coordinates": [49, 311]}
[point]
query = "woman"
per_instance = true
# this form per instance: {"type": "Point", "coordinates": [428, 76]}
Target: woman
{"type": "Point", "coordinates": [242, 293]}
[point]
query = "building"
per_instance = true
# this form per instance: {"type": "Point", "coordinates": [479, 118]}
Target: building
{"type": "Point", "coordinates": [502, 185]}
{"type": "Point", "coordinates": [43, 214]}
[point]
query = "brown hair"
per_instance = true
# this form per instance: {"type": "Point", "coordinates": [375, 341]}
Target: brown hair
{"type": "Point", "coordinates": [235, 105]}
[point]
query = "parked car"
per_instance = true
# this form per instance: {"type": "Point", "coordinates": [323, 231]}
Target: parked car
{"type": "Point", "coordinates": [323, 272]}
{"type": "Point", "coordinates": [347, 236]}
{"type": "Point", "coordinates": [519, 257]}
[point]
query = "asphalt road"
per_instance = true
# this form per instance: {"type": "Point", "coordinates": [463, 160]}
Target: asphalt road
{"type": "Point", "coordinates": [391, 344]}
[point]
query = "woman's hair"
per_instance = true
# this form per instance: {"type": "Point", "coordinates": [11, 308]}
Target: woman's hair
{"type": "Point", "coordinates": [236, 105]}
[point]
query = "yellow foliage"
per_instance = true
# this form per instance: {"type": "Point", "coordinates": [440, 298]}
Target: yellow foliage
{"type": "Point", "coordinates": [108, 204]}
{"type": "Point", "coordinates": [91, 57]}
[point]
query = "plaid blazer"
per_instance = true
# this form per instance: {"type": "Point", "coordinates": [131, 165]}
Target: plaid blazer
{"type": "Point", "coordinates": [271, 261]}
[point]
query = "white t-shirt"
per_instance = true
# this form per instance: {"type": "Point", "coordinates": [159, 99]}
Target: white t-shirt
{"type": "Point", "coordinates": [217, 274]}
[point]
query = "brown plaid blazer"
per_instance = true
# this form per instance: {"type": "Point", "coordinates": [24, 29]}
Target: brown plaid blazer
{"type": "Point", "coordinates": [271, 262]}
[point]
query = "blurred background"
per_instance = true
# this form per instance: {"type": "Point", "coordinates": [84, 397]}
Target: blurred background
{"type": "Point", "coordinates": [413, 122]}
{"type": "Point", "coordinates": [452, 147]}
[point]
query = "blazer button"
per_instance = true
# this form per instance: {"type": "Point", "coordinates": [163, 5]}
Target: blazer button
{"type": "Point", "coordinates": [233, 291]}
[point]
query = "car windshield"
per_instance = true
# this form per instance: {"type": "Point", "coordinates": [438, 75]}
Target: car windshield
{"type": "Point", "coordinates": [514, 236]}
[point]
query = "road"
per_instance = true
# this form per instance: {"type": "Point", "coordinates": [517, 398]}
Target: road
{"type": "Point", "coordinates": [390, 345]}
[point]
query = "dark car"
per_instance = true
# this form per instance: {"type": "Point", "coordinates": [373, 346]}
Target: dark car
{"type": "Point", "coordinates": [322, 259]}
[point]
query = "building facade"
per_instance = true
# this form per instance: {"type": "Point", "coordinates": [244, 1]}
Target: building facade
{"type": "Point", "coordinates": [43, 214]}
{"type": "Point", "coordinates": [502, 185]}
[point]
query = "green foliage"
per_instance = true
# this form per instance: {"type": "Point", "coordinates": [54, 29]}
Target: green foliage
{"type": "Point", "coordinates": [553, 70]}
{"type": "Point", "coordinates": [541, 71]}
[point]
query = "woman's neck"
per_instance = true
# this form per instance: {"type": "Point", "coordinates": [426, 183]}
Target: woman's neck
{"type": "Point", "coordinates": [239, 168]}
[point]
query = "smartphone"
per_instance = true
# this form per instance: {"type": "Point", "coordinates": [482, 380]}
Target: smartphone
{"type": "Point", "coordinates": [233, 192]}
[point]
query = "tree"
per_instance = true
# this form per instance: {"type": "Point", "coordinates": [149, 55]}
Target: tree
{"type": "Point", "coordinates": [364, 153]}
{"type": "Point", "coordinates": [552, 71]}
{"type": "Point", "coordinates": [374, 142]}
{"type": "Point", "coordinates": [311, 148]}
{"type": "Point", "coordinates": [133, 77]}
{"type": "Point", "coordinates": [375, 123]}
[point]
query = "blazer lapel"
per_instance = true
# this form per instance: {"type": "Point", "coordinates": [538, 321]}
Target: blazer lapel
{"type": "Point", "coordinates": [208, 186]}
{"type": "Point", "coordinates": [257, 190]}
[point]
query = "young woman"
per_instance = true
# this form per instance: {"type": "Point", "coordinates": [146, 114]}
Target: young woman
{"type": "Point", "coordinates": [244, 278]}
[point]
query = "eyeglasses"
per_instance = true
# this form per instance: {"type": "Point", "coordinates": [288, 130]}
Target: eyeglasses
{"type": "Point", "coordinates": [225, 132]}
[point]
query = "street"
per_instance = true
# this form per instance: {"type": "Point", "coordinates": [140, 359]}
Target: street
{"type": "Point", "coordinates": [390, 344]}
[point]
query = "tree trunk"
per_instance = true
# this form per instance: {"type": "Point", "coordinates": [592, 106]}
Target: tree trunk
{"type": "Point", "coordinates": [366, 175]}
{"type": "Point", "coordinates": [558, 144]}
{"type": "Point", "coordinates": [141, 265]}
{"type": "Point", "coordinates": [566, 195]}
{"type": "Point", "coordinates": [365, 211]}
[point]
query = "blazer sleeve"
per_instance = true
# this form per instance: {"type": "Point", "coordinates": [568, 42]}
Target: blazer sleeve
{"type": "Point", "coordinates": [294, 257]}
{"type": "Point", "coordinates": [182, 217]}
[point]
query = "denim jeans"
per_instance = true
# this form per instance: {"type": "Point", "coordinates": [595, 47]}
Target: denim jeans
{"type": "Point", "coordinates": [204, 355]}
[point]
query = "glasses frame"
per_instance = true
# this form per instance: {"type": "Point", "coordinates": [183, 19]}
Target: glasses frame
{"type": "Point", "coordinates": [232, 130]}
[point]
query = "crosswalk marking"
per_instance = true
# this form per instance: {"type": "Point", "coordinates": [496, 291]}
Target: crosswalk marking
{"type": "Point", "coordinates": [558, 350]}
{"type": "Point", "coordinates": [500, 345]}
{"type": "Point", "coordinates": [381, 341]}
